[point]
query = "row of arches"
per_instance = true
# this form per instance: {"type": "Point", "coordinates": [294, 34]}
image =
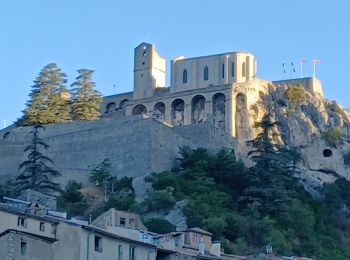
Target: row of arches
{"type": "Point", "coordinates": [112, 106]}
{"type": "Point", "coordinates": [198, 110]}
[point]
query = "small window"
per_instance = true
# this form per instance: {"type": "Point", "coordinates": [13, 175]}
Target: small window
{"type": "Point", "coordinates": [184, 76]}
{"type": "Point", "coordinates": [98, 244]}
{"type": "Point", "coordinates": [122, 222]}
{"type": "Point", "coordinates": [206, 73]}
{"type": "Point", "coordinates": [23, 247]}
{"type": "Point", "coordinates": [120, 252]}
{"type": "Point", "coordinates": [144, 54]}
{"type": "Point", "coordinates": [42, 226]}
{"type": "Point", "coordinates": [223, 71]}
{"type": "Point", "coordinates": [243, 69]}
{"type": "Point", "coordinates": [232, 70]}
{"type": "Point", "coordinates": [131, 221]}
{"type": "Point", "coordinates": [22, 222]}
{"type": "Point", "coordinates": [132, 253]}
{"type": "Point", "coordinates": [53, 228]}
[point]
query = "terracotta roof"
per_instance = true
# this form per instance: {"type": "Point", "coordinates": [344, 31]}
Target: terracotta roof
{"type": "Point", "coordinates": [198, 230]}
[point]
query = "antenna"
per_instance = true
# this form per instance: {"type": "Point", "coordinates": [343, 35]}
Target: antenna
{"type": "Point", "coordinates": [113, 89]}
{"type": "Point", "coordinates": [283, 69]}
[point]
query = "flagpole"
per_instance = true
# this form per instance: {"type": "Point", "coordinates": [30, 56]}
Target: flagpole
{"type": "Point", "coordinates": [315, 61]}
{"type": "Point", "coordinates": [301, 67]}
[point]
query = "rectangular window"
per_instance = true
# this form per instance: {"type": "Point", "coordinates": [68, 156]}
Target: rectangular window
{"type": "Point", "coordinates": [98, 244]}
{"type": "Point", "coordinates": [232, 70]}
{"type": "Point", "coordinates": [23, 247]}
{"type": "Point", "coordinates": [122, 222]}
{"type": "Point", "coordinates": [53, 228]}
{"type": "Point", "coordinates": [22, 222]}
{"type": "Point", "coordinates": [223, 71]}
{"type": "Point", "coordinates": [132, 253]}
{"type": "Point", "coordinates": [42, 226]}
{"type": "Point", "coordinates": [120, 252]}
{"type": "Point", "coordinates": [131, 221]}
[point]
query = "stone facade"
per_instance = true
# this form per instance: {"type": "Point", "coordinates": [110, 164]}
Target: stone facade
{"type": "Point", "coordinates": [217, 88]}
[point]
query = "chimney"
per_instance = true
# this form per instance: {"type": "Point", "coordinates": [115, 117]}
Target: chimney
{"type": "Point", "coordinates": [201, 246]}
{"type": "Point", "coordinates": [215, 248]}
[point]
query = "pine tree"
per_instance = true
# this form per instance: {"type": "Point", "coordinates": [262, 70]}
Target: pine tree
{"type": "Point", "coordinates": [86, 100]}
{"type": "Point", "coordinates": [49, 99]}
{"type": "Point", "coordinates": [35, 172]}
{"type": "Point", "coordinates": [271, 178]}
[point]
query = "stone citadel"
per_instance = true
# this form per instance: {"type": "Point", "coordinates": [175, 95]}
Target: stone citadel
{"type": "Point", "coordinates": [220, 88]}
{"type": "Point", "coordinates": [212, 102]}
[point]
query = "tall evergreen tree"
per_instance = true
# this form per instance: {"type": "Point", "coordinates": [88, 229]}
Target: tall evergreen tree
{"type": "Point", "coordinates": [49, 99]}
{"type": "Point", "coordinates": [35, 172]}
{"type": "Point", "coordinates": [86, 100]}
{"type": "Point", "coordinates": [271, 178]}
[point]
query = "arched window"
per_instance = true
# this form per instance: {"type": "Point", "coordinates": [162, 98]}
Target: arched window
{"type": "Point", "coordinates": [198, 109]}
{"type": "Point", "coordinates": [110, 107]}
{"type": "Point", "coordinates": [232, 70]}
{"type": "Point", "coordinates": [139, 110]}
{"type": "Point", "coordinates": [243, 69]}
{"type": "Point", "coordinates": [184, 76]}
{"type": "Point", "coordinates": [206, 73]}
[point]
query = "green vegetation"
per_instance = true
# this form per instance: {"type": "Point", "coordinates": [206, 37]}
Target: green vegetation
{"type": "Point", "coordinates": [100, 172]}
{"type": "Point", "coordinates": [295, 95]}
{"type": "Point", "coordinates": [248, 208]}
{"type": "Point", "coordinates": [120, 195]}
{"type": "Point", "coordinates": [49, 101]}
{"type": "Point", "coordinates": [71, 200]}
{"type": "Point", "coordinates": [333, 137]}
{"type": "Point", "coordinates": [86, 100]}
{"type": "Point", "coordinates": [35, 172]}
{"type": "Point", "coordinates": [159, 225]}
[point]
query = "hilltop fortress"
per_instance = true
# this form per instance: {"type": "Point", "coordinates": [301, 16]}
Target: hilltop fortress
{"type": "Point", "coordinates": [212, 102]}
{"type": "Point", "coordinates": [217, 88]}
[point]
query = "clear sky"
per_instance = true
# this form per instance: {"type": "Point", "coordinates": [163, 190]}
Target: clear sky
{"type": "Point", "coordinates": [102, 34]}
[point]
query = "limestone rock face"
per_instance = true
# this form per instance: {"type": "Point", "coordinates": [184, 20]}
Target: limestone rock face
{"type": "Point", "coordinates": [302, 126]}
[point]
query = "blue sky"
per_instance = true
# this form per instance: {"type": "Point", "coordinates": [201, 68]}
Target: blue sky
{"type": "Point", "coordinates": [101, 35]}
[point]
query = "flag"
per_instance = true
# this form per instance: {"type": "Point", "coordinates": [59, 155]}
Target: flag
{"type": "Point", "coordinates": [316, 61]}
{"type": "Point", "coordinates": [292, 65]}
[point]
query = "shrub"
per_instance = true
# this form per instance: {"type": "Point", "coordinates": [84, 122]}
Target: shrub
{"type": "Point", "coordinates": [72, 200]}
{"type": "Point", "coordinates": [160, 200]}
{"type": "Point", "coordinates": [100, 172]}
{"type": "Point", "coordinates": [159, 225]}
{"type": "Point", "coordinates": [333, 137]}
{"type": "Point", "coordinates": [295, 95]}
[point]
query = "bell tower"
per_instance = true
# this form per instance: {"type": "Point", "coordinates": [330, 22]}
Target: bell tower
{"type": "Point", "coordinates": [149, 71]}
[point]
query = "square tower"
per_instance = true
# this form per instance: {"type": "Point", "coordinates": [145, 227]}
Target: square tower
{"type": "Point", "coordinates": [149, 71]}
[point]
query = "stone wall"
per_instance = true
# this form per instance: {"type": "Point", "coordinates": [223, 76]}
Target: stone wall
{"type": "Point", "coordinates": [135, 146]}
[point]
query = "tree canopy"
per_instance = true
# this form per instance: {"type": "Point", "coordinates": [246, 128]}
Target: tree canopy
{"type": "Point", "coordinates": [86, 100]}
{"type": "Point", "coordinates": [49, 98]}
